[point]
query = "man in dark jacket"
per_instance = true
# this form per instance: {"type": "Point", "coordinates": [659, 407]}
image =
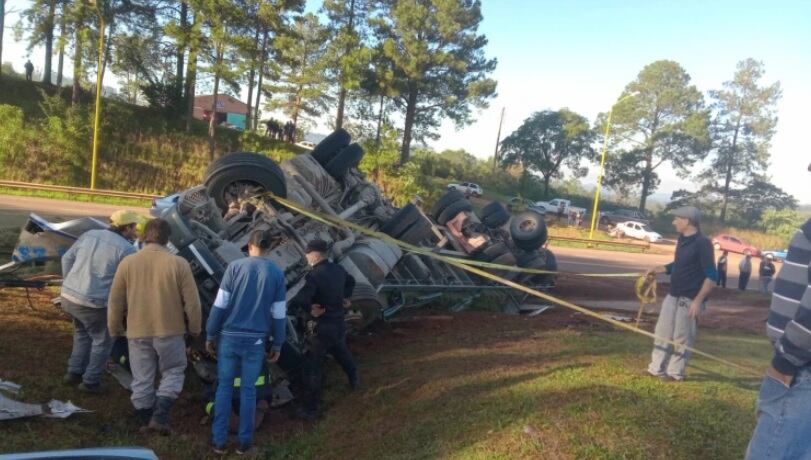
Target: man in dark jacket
{"type": "Point", "coordinates": [325, 293]}
{"type": "Point", "coordinates": [723, 262]}
{"type": "Point", "coordinates": [766, 272]}
{"type": "Point", "coordinates": [784, 402]}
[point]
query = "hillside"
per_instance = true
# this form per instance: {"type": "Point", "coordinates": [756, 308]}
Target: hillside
{"type": "Point", "coordinates": [44, 139]}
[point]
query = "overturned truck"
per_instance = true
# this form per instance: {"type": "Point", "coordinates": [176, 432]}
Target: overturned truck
{"type": "Point", "coordinates": [211, 224]}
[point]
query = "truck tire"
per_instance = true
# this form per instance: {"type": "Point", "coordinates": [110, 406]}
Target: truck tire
{"type": "Point", "coordinates": [367, 302]}
{"type": "Point", "coordinates": [330, 145]}
{"type": "Point", "coordinates": [227, 176]}
{"type": "Point", "coordinates": [418, 232]}
{"type": "Point", "coordinates": [493, 251]}
{"type": "Point", "coordinates": [540, 260]}
{"type": "Point", "coordinates": [348, 158]}
{"type": "Point", "coordinates": [401, 221]}
{"type": "Point", "coordinates": [528, 230]}
{"type": "Point", "coordinates": [416, 267]}
{"type": "Point", "coordinates": [453, 210]}
{"type": "Point", "coordinates": [494, 215]}
{"type": "Point", "coordinates": [451, 196]}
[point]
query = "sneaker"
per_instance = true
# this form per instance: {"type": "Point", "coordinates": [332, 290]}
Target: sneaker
{"type": "Point", "coordinates": [72, 379]}
{"type": "Point", "coordinates": [93, 388]}
{"type": "Point", "coordinates": [245, 450]}
{"type": "Point", "coordinates": [670, 378]}
{"type": "Point", "coordinates": [219, 450]}
{"type": "Point", "coordinates": [305, 415]}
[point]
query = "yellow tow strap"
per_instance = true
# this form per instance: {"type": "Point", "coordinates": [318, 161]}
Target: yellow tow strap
{"type": "Point", "coordinates": [472, 267]}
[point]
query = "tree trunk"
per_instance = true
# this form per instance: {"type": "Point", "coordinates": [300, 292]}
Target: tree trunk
{"type": "Point", "coordinates": [2, 27]}
{"type": "Point", "coordinates": [546, 187]}
{"type": "Point", "coordinates": [411, 112]}
{"type": "Point", "coordinates": [49, 42]}
{"type": "Point", "coordinates": [63, 29]}
{"type": "Point", "coordinates": [212, 119]}
{"type": "Point", "coordinates": [107, 46]}
{"type": "Point", "coordinates": [295, 113]}
{"type": "Point", "coordinates": [728, 178]}
{"type": "Point", "coordinates": [379, 121]}
{"type": "Point", "coordinates": [262, 60]}
{"type": "Point", "coordinates": [339, 117]}
{"type": "Point", "coordinates": [191, 75]}
{"type": "Point", "coordinates": [78, 51]}
{"type": "Point", "coordinates": [251, 76]}
{"type": "Point", "coordinates": [181, 49]}
{"type": "Point", "coordinates": [646, 179]}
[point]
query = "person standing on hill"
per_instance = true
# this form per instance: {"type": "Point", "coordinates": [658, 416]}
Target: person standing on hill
{"type": "Point", "coordinates": [692, 275]}
{"type": "Point", "coordinates": [766, 272]}
{"type": "Point", "coordinates": [723, 261]}
{"type": "Point", "coordinates": [29, 70]}
{"type": "Point", "coordinates": [744, 271]}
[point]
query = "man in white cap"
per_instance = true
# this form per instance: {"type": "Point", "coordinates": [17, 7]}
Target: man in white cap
{"type": "Point", "coordinates": [692, 276]}
{"type": "Point", "coordinates": [88, 268]}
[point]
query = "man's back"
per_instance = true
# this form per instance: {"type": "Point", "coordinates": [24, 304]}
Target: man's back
{"type": "Point", "coordinates": [328, 284]}
{"type": "Point", "coordinates": [89, 265]}
{"type": "Point", "coordinates": [255, 285]}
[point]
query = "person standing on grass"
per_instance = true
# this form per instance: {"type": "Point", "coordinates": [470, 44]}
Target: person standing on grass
{"type": "Point", "coordinates": [156, 292]}
{"type": "Point", "coordinates": [29, 70]}
{"type": "Point", "coordinates": [692, 275]}
{"type": "Point", "coordinates": [744, 271]}
{"type": "Point", "coordinates": [766, 272]}
{"type": "Point", "coordinates": [88, 268]}
{"type": "Point", "coordinates": [722, 269]}
{"type": "Point", "coordinates": [250, 305]}
{"type": "Point", "coordinates": [784, 402]}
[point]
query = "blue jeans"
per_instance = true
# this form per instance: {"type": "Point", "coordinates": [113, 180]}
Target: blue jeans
{"type": "Point", "coordinates": [248, 354]}
{"type": "Point", "coordinates": [91, 342]}
{"type": "Point", "coordinates": [783, 420]}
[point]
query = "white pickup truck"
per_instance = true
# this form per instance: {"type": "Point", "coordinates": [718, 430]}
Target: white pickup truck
{"type": "Point", "coordinates": [559, 206]}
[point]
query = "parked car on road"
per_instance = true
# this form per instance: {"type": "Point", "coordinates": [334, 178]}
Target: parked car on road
{"type": "Point", "coordinates": [306, 144]}
{"type": "Point", "coordinates": [468, 188]}
{"type": "Point", "coordinates": [520, 204]}
{"type": "Point", "coordinates": [559, 206]}
{"type": "Point", "coordinates": [614, 217]}
{"type": "Point", "coordinates": [779, 255]}
{"type": "Point", "coordinates": [734, 244]}
{"type": "Point", "coordinates": [638, 231]}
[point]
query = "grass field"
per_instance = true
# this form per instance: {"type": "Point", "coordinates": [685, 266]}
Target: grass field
{"type": "Point", "coordinates": [467, 386]}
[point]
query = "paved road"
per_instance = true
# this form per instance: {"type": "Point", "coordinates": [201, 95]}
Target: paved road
{"type": "Point", "coordinates": [14, 210]}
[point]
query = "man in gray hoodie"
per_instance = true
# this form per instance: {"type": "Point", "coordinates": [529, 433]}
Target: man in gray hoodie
{"type": "Point", "coordinates": [88, 268]}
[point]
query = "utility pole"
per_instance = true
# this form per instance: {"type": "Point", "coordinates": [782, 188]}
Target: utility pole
{"type": "Point", "coordinates": [498, 140]}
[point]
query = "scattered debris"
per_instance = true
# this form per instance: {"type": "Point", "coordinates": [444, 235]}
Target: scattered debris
{"type": "Point", "coordinates": [121, 375]}
{"type": "Point", "coordinates": [620, 318]}
{"type": "Point", "coordinates": [531, 431]}
{"type": "Point", "coordinates": [11, 387]}
{"type": "Point", "coordinates": [11, 409]}
{"type": "Point", "coordinates": [534, 310]}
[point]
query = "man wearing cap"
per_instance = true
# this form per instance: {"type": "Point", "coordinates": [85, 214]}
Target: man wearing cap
{"type": "Point", "coordinates": [155, 291]}
{"type": "Point", "coordinates": [692, 276]}
{"type": "Point", "coordinates": [325, 294]}
{"type": "Point", "coordinates": [88, 268]}
{"type": "Point", "coordinates": [250, 306]}
{"type": "Point", "coordinates": [784, 402]}
{"type": "Point", "coordinates": [766, 272]}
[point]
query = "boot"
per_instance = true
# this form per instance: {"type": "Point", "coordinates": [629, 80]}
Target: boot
{"type": "Point", "coordinates": [142, 417]}
{"type": "Point", "coordinates": [159, 423]}
{"type": "Point", "coordinates": [354, 381]}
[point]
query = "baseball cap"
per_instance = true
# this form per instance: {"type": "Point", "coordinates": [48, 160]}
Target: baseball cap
{"type": "Point", "coordinates": [124, 217]}
{"type": "Point", "coordinates": [317, 245]}
{"type": "Point", "coordinates": [689, 212]}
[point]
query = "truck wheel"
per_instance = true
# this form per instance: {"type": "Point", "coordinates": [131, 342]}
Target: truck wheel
{"type": "Point", "coordinates": [539, 260]}
{"type": "Point", "coordinates": [366, 301]}
{"type": "Point", "coordinates": [349, 157]}
{"type": "Point", "coordinates": [239, 175]}
{"type": "Point", "coordinates": [330, 145]}
{"type": "Point", "coordinates": [528, 230]}
{"type": "Point", "coordinates": [453, 210]}
{"type": "Point", "coordinates": [401, 221]}
{"type": "Point", "coordinates": [419, 231]}
{"type": "Point", "coordinates": [451, 196]}
{"type": "Point", "coordinates": [416, 267]}
{"type": "Point", "coordinates": [493, 251]}
{"type": "Point", "coordinates": [494, 215]}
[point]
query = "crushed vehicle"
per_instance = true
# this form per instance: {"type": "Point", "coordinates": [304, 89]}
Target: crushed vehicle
{"type": "Point", "coordinates": [211, 224]}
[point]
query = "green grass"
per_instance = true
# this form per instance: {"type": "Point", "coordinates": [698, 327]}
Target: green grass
{"type": "Point", "coordinates": [136, 202]}
{"type": "Point", "coordinates": [465, 387]}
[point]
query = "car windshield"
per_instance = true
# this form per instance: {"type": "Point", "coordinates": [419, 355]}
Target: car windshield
{"type": "Point", "coordinates": [647, 228]}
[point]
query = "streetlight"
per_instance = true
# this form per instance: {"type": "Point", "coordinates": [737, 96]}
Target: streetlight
{"type": "Point", "coordinates": [602, 165]}
{"type": "Point", "coordinates": [99, 71]}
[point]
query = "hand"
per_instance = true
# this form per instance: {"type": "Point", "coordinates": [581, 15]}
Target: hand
{"type": "Point", "coordinates": [347, 304]}
{"type": "Point", "coordinates": [695, 309]}
{"type": "Point", "coordinates": [273, 356]}
{"type": "Point", "coordinates": [785, 379]}
{"type": "Point", "coordinates": [317, 310]}
{"type": "Point", "coordinates": [651, 273]}
{"type": "Point", "coordinates": [211, 348]}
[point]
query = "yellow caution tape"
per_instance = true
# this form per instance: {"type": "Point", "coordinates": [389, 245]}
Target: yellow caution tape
{"type": "Point", "coordinates": [466, 265]}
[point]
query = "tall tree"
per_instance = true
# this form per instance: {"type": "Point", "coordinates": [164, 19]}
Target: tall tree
{"type": "Point", "coordinates": [79, 16]}
{"type": "Point", "coordinates": [41, 19]}
{"type": "Point", "coordinates": [547, 141]}
{"type": "Point", "coordinates": [301, 87]}
{"type": "Point", "coordinates": [64, 36]}
{"type": "Point", "coordinates": [2, 29]}
{"type": "Point", "coordinates": [745, 118]}
{"type": "Point", "coordinates": [660, 119]}
{"type": "Point", "coordinates": [348, 55]}
{"type": "Point", "coordinates": [438, 60]}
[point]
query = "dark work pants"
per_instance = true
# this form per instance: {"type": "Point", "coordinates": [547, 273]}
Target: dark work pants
{"type": "Point", "coordinates": [743, 280]}
{"type": "Point", "coordinates": [722, 278]}
{"type": "Point", "coordinates": [330, 337]}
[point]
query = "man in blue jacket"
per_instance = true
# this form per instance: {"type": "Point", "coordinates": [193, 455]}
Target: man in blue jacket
{"type": "Point", "coordinates": [250, 306]}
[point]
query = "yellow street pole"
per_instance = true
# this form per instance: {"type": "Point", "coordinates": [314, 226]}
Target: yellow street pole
{"type": "Point", "coordinates": [97, 121]}
{"type": "Point", "coordinates": [602, 167]}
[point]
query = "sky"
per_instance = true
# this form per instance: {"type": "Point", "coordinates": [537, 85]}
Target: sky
{"type": "Point", "coordinates": [580, 54]}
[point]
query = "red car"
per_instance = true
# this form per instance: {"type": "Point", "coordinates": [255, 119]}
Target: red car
{"type": "Point", "coordinates": [734, 244]}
